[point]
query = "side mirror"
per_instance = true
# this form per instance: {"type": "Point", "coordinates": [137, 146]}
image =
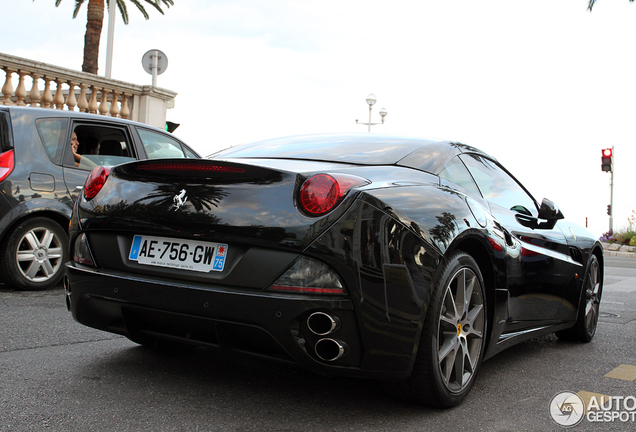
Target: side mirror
{"type": "Point", "coordinates": [548, 211]}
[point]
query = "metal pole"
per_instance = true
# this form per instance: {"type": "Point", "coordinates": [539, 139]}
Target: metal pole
{"type": "Point", "coordinates": [611, 216]}
{"type": "Point", "coordinates": [370, 108]}
{"type": "Point", "coordinates": [155, 61]}
{"type": "Point", "coordinates": [111, 37]}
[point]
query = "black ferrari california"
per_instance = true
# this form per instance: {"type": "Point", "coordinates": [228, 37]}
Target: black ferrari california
{"type": "Point", "coordinates": [399, 259]}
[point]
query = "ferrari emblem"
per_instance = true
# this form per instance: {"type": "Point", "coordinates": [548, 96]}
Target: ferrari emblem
{"type": "Point", "coordinates": [180, 199]}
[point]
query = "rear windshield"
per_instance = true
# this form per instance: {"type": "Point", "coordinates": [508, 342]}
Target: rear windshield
{"type": "Point", "coordinates": [355, 149]}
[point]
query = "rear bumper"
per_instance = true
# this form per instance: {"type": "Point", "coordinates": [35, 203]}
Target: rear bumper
{"type": "Point", "coordinates": [272, 325]}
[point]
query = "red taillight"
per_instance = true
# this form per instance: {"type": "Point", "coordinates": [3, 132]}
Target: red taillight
{"type": "Point", "coordinates": [188, 166]}
{"type": "Point", "coordinates": [95, 181]}
{"type": "Point", "coordinates": [495, 245]}
{"type": "Point", "coordinates": [6, 164]}
{"type": "Point", "coordinates": [321, 193]}
{"type": "Point", "coordinates": [528, 253]}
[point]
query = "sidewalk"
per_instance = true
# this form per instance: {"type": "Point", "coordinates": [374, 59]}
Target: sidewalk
{"type": "Point", "coordinates": [614, 249]}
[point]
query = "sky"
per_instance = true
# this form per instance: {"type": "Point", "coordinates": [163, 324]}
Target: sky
{"type": "Point", "coordinates": [541, 85]}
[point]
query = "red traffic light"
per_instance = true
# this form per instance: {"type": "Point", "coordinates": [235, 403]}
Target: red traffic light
{"type": "Point", "coordinates": [607, 160]}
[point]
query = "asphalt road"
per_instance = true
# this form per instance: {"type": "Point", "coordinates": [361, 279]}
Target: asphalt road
{"type": "Point", "coordinates": [56, 375]}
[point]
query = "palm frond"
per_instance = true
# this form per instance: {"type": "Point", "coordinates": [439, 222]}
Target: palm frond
{"type": "Point", "coordinates": [78, 5]}
{"type": "Point", "coordinates": [590, 4]}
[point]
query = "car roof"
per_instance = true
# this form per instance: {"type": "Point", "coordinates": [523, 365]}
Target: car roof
{"type": "Point", "coordinates": [49, 112]}
{"type": "Point", "coordinates": [360, 149]}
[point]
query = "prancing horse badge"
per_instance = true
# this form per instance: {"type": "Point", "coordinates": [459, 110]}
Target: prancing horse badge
{"type": "Point", "coordinates": [179, 199]}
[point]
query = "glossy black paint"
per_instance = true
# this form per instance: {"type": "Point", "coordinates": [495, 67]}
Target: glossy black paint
{"type": "Point", "coordinates": [386, 241]}
{"type": "Point", "coordinates": [44, 184]}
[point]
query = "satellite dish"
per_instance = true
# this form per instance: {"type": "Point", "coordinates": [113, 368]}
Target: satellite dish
{"type": "Point", "coordinates": [155, 63]}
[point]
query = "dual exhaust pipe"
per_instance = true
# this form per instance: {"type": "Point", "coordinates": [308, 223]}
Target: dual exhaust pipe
{"type": "Point", "coordinates": [327, 348]}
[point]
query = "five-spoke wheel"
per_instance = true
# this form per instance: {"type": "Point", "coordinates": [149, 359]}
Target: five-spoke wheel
{"type": "Point", "coordinates": [462, 323]}
{"type": "Point", "coordinates": [453, 337]}
{"type": "Point", "coordinates": [584, 328]}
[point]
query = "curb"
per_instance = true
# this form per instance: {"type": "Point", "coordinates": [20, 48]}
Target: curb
{"type": "Point", "coordinates": [618, 253]}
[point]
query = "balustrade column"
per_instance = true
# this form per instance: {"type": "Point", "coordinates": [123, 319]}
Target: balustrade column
{"type": "Point", "coordinates": [21, 92]}
{"type": "Point", "coordinates": [125, 111]}
{"type": "Point", "coordinates": [103, 107]}
{"type": "Point", "coordinates": [114, 107]}
{"type": "Point", "coordinates": [34, 94]}
{"type": "Point", "coordinates": [83, 103]}
{"type": "Point", "coordinates": [92, 106]}
{"type": "Point", "coordinates": [7, 88]}
{"type": "Point", "coordinates": [71, 102]}
{"type": "Point", "coordinates": [47, 96]}
{"type": "Point", "coordinates": [59, 95]}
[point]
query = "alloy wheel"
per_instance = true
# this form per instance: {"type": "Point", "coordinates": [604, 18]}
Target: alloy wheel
{"type": "Point", "coordinates": [592, 297]}
{"type": "Point", "coordinates": [462, 324]}
{"type": "Point", "coordinates": [39, 254]}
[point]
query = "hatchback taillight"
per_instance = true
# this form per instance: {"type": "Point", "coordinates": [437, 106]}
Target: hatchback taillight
{"type": "Point", "coordinates": [6, 164]}
{"type": "Point", "coordinates": [95, 181]}
{"type": "Point", "coordinates": [322, 193]}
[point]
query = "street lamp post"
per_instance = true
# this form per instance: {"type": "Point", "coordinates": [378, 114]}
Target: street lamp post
{"type": "Point", "coordinates": [371, 100]}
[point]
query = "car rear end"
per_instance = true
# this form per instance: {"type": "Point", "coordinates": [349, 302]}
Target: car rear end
{"type": "Point", "coordinates": [219, 253]}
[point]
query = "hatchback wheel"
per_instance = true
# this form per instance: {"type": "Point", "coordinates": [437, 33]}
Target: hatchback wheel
{"type": "Point", "coordinates": [34, 254]}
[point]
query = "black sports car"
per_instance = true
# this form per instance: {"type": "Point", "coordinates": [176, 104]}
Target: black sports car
{"type": "Point", "coordinates": [400, 259]}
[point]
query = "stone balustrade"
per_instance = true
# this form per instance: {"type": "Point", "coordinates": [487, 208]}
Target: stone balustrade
{"type": "Point", "coordinates": [30, 83]}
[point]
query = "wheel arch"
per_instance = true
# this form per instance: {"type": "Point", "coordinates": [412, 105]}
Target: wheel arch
{"type": "Point", "coordinates": [598, 251]}
{"type": "Point", "coordinates": [61, 216]}
{"type": "Point", "coordinates": [474, 247]}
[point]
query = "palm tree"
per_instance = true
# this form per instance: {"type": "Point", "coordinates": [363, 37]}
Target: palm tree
{"type": "Point", "coordinates": [590, 4]}
{"type": "Point", "coordinates": [95, 20]}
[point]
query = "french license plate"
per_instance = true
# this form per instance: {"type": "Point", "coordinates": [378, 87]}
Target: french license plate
{"type": "Point", "coordinates": [178, 253]}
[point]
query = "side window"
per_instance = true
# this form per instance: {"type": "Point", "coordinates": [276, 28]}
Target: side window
{"type": "Point", "coordinates": [92, 145]}
{"type": "Point", "coordinates": [52, 132]}
{"type": "Point", "coordinates": [497, 186]}
{"type": "Point", "coordinates": [159, 145]}
{"type": "Point", "coordinates": [455, 171]}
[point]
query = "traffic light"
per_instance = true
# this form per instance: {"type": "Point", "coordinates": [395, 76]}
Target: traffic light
{"type": "Point", "coordinates": [609, 209]}
{"type": "Point", "coordinates": [170, 127]}
{"type": "Point", "coordinates": [607, 160]}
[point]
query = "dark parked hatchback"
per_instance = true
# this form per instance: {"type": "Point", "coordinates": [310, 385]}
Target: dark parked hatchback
{"type": "Point", "coordinates": [41, 176]}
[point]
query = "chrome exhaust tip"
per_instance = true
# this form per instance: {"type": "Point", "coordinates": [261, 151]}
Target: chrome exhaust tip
{"type": "Point", "coordinates": [322, 324]}
{"type": "Point", "coordinates": [330, 350]}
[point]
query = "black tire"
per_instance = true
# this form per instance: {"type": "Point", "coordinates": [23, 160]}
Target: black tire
{"type": "Point", "coordinates": [453, 338]}
{"type": "Point", "coordinates": [33, 255]}
{"type": "Point", "coordinates": [584, 328]}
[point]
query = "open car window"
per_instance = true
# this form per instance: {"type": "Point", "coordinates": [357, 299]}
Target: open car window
{"type": "Point", "coordinates": [100, 145]}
